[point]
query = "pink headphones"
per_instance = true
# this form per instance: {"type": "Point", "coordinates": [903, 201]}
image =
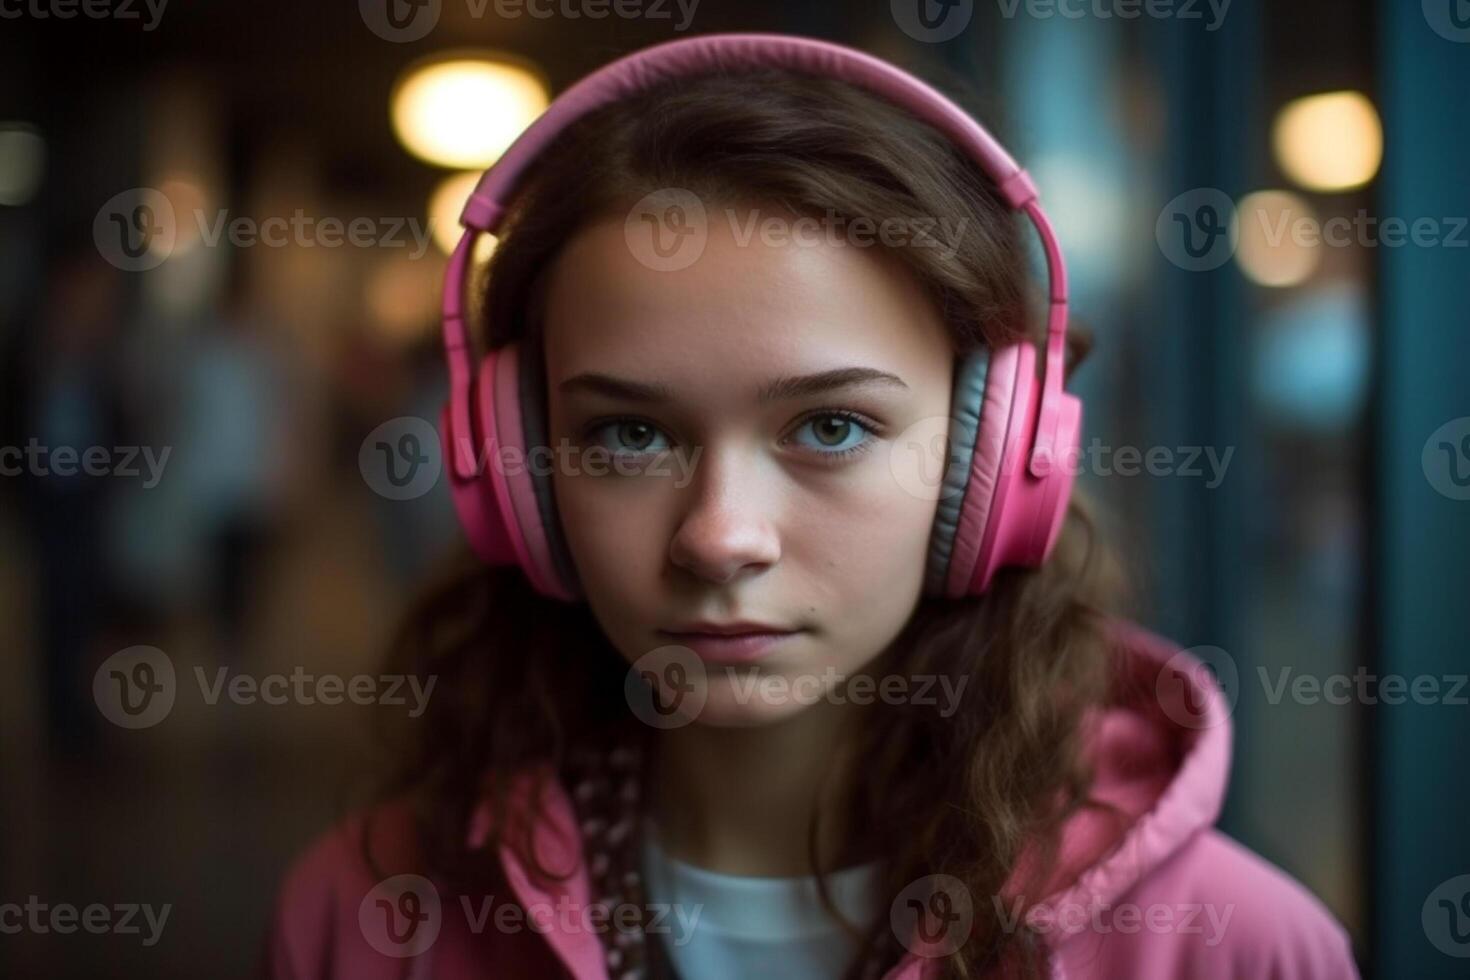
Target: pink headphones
{"type": "Point", "coordinates": [1005, 493]}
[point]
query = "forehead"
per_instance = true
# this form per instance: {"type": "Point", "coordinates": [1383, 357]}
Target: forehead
{"type": "Point", "coordinates": [745, 310]}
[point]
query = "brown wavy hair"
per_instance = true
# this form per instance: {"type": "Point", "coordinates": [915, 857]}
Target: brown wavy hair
{"type": "Point", "coordinates": [958, 795]}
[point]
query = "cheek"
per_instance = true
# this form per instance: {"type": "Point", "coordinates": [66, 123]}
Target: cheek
{"type": "Point", "coordinates": [869, 541]}
{"type": "Point", "coordinates": [613, 539]}
{"type": "Point", "coordinates": [608, 525]}
{"type": "Point", "coordinates": [870, 571]}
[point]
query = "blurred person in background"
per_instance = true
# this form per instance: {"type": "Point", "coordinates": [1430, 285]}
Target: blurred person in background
{"type": "Point", "coordinates": [70, 402]}
{"type": "Point", "coordinates": [230, 470]}
{"type": "Point", "coordinates": [376, 381]}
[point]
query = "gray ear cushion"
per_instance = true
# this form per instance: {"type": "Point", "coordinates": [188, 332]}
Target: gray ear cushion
{"type": "Point", "coordinates": [965, 404]}
{"type": "Point", "coordinates": [531, 384]}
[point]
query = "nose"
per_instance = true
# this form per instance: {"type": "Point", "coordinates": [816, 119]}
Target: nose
{"type": "Point", "coordinates": [728, 529]}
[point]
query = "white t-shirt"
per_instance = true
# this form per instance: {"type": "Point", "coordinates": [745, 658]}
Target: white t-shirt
{"type": "Point", "coordinates": [738, 926]}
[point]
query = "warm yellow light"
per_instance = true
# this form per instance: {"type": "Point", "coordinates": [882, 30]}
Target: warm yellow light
{"type": "Point", "coordinates": [1279, 238]}
{"type": "Point", "coordinates": [465, 111]}
{"type": "Point", "coordinates": [1329, 142]}
{"type": "Point", "coordinates": [445, 204]}
{"type": "Point", "coordinates": [189, 203]}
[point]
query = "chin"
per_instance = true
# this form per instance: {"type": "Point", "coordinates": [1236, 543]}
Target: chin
{"type": "Point", "coordinates": [736, 702]}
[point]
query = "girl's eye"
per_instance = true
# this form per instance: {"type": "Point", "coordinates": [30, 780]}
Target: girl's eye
{"type": "Point", "coordinates": [838, 434]}
{"type": "Point", "coordinates": [630, 437]}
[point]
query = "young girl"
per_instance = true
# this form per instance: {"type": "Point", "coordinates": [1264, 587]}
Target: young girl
{"type": "Point", "coordinates": [757, 689]}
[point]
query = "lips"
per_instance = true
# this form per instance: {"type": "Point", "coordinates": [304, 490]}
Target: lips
{"type": "Point", "coordinates": [733, 643]}
{"type": "Point", "coordinates": [729, 629]}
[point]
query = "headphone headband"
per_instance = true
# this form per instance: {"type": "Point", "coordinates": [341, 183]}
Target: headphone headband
{"type": "Point", "coordinates": [719, 53]}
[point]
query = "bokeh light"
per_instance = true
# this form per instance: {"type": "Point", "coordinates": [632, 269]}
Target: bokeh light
{"type": "Point", "coordinates": [1278, 239]}
{"type": "Point", "coordinates": [22, 162]}
{"type": "Point", "coordinates": [1329, 142]}
{"type": "Point", "coordinates": [464, 111]}
{"type": "Point", "coordinates": [190, 203]}
{"type": "Point", "coordinates": [1312, 364]}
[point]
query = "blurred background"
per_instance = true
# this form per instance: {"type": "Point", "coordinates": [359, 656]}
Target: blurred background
{"type": "Point", "coordinates": [223, 228]}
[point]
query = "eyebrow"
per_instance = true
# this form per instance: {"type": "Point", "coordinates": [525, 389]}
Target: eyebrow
{"type": "Point", "coordinates": [781, 388]}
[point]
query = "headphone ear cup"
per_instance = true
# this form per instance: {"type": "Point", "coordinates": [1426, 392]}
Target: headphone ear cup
{"type": "Point", "coordinates": [966, 405]}
{"type": "Point", "coordinates": [474, 497]}
{"type": "Point", "coordinates": [535, 419]}
{"type": "Point", "coordinates": [994, 417]}
{"type": "Point", "coordinates": [510, 471]}
{"type": "Point", "coordinates": [1027, 511]}
{"type": "Point", "coordinates": [1053, 510]}
{"type": "Point", "coordinates": [498, 504]}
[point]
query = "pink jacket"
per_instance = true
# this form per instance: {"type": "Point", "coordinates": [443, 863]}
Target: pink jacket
{"type": "Point", "coordinates": [1168, 897]}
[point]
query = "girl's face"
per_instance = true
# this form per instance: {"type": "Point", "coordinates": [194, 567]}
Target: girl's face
{"type": "Point", "coordinates": [704, 500]}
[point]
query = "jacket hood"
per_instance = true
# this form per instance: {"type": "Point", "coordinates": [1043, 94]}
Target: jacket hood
{"type": "Point", "coordinates": [1161, 756]}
